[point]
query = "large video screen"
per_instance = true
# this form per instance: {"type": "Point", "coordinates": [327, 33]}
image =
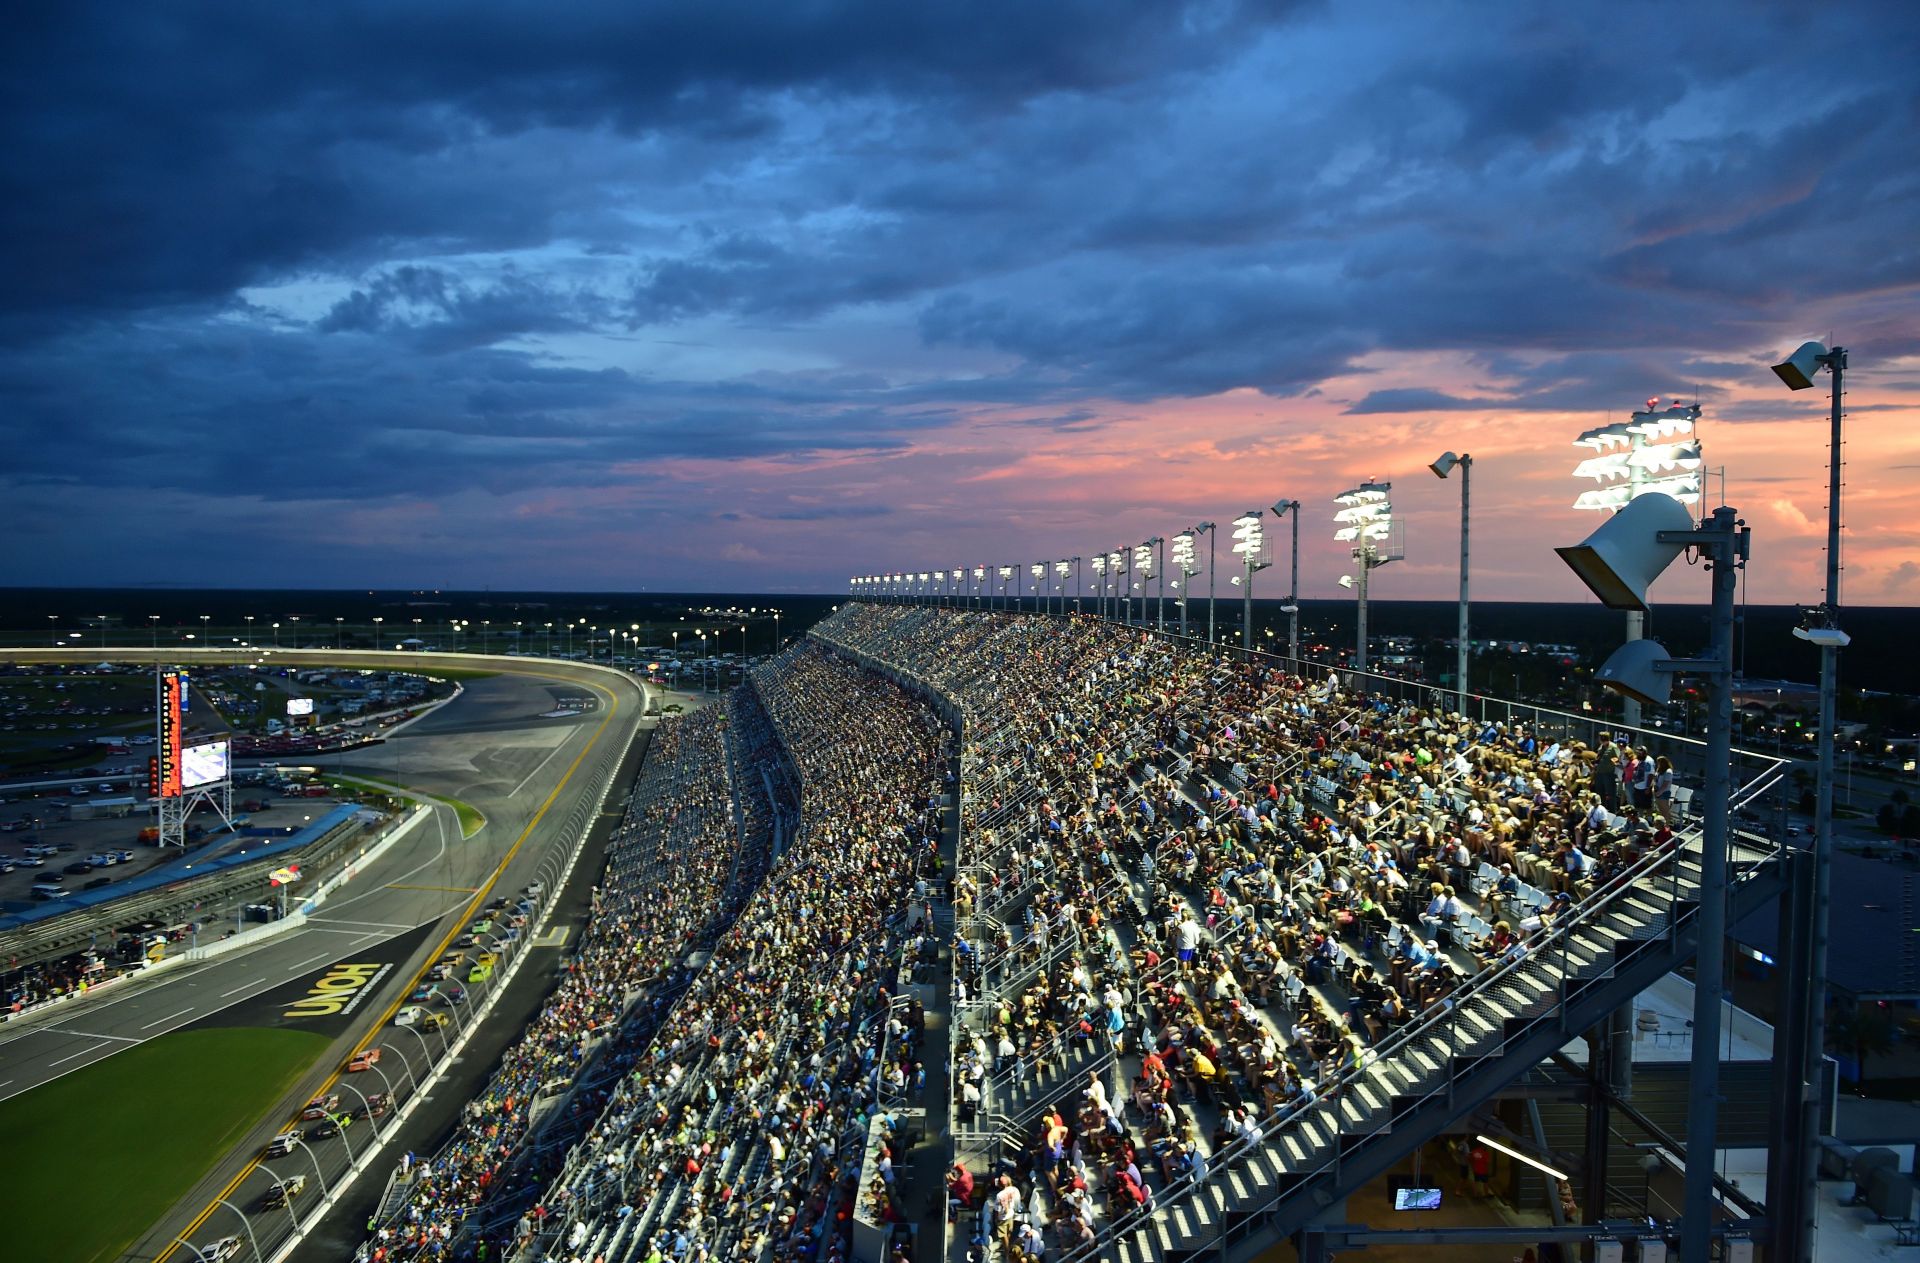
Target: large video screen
{"type": "Point", "coordinates": [203, 764]}
{"type": "Point", "coordinates": [299, 706]}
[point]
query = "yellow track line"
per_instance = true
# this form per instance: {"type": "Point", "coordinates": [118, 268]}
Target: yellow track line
{"type": "Point", "coordinates": [473, 905]}
{"type": "Point", "coordinates": [452, 890]}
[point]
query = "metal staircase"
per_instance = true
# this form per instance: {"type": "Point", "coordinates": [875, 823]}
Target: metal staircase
{"type": "Point", "coordinates": [1445, 1065]}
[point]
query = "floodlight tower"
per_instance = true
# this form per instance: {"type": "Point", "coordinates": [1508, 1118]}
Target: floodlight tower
{"type": "Point", "coordinates": [1822, 628]}
{"type": "Point", "coordinates": [1039, 572]}
{"type": "Point", "coordinates": [1654, 450]}
{"type": "Point", "coordinates": [1251, 544]}
{"type": "Point", "coordinates": [1618, 562]}
{"type": "Point", "coordinates": [1368, 516]}
{"type": "Point", "coordinates": [1100, 583]}
{"type": "Point", "coordinates": [1061, 569]}
{"type": "Point", "coordinates": [1143, 563]}
{"type": "Point", "coordinates": [1292, 608]}
{"type": "Point", "coordinates": [1213, 539]}
{"type": "Point", "coordinates": [1114, 560]}
{"type": "Point", "coordinates": [1183, 561]}
{"type": "Point", "coordinates": [1447, 463]}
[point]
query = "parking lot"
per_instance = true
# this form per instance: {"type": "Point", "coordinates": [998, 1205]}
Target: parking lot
{"type": "Point", "coordinates": [68, 844]}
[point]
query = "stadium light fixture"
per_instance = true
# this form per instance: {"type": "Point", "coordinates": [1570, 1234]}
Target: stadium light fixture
{"type": "Point", "coordinates": [1617, 563]}
{"type": "Point", "coordinates": [1515, 1154]}
{"type": "Point", "coordinates": [1186, 562]}
{"type": "Point", "coordinates": [1366, 517]}
{"type": "Point", "coordinates": [1249, 541]}
{"type": "Point", "coordinates": [1655, 450]}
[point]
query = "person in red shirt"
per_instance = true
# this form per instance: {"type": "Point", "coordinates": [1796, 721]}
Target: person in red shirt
{"type": "Point", "coordinates": [959, 1190]}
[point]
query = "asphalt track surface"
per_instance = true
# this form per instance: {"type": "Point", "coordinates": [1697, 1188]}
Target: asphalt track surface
{"type": "Point", "coordinates": [499, 747]}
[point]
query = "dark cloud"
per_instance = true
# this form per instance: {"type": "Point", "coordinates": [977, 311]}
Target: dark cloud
{"type": "Point", "coordinates": [308, 252]}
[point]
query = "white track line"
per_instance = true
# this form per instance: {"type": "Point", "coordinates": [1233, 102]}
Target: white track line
{"type": "Point", "coordinates": [378, 925]}
{"type": "Point", "coordinates": [557, 748]}
{"type": "Point", "coordinates": [62, 1030]}
{"type": "Point", "coordinates": [311, 960]}
{"type": "Point", "coordinates": [168, 1018]}
{"type": "Point", "coordinates": [85, 1052]}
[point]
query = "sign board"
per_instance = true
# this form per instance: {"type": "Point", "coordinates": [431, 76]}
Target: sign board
{"type": "Point", "coordinates": [284, 876]}
{"type": "Point", "coordinates": [204, 764]}
{"type": "Point", "coordinates": [163, 771]}
{"type": "Point", "coordinates": [299, 706]}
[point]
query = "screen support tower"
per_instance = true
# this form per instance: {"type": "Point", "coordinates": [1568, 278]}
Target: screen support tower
{"type": "Point", "coordinates": [177, 802]}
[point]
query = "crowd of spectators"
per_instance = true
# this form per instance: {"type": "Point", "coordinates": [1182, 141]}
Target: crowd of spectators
{"type": "Point", "coordinates": [672, 868]}
{"type": "Point", "coordinates": [1194, 891]}
{"type": "Point", "coordinates": [741, 1133]}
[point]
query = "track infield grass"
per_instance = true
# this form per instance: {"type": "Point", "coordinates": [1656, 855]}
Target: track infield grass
{"type": "Point", "coordinates": [100, 1155]}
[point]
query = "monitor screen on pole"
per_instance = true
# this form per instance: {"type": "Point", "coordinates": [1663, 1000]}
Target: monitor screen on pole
{"type": "Point", "coordinates": [1416, 1199]}
{"type": "Point", "coordinates": [204, 764]}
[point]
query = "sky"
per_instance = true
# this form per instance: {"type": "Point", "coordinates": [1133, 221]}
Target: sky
{"type": "Point", "coordinates": [757, 297]}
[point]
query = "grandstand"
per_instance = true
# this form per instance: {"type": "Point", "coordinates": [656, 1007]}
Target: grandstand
{"type": "Point", "coordinates": [1223, 944]}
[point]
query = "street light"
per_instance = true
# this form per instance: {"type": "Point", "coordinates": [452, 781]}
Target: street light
{"type": "Point", "coordinates": [1251, 544]}
{"type": "Point", "coordinates": [1292, 608]}
{"type": "Point", "coordinates": [1798, 371]}
{"type": "Point", "coordinates": [1441, 468]}
{"type": "Point", "coordinates": [1368, 516]}
{"type": "Point", "coordinates": [1617, 563]}
{"type": "Point", "coordinates": [1654, 450]}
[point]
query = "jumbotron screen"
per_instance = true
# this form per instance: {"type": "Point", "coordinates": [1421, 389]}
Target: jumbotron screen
{"type": "Point", "coordinates": [203, 764]}
{"type": "Point", "coordinates": [299, 706]}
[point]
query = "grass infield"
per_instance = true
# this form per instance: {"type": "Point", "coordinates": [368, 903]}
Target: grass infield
{"type": "Point", "coordinates": [471, 819]}
{"type": "Point", "coordinates": [101, 1154]}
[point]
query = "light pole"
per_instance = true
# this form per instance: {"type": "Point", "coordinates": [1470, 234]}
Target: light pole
{"type": "Point", "coordinates": [1142, 565]}
{"type": "Point", "coordinates": [1441, 468]}
{"type": "Point", "coordinates": [276, 635]}
{"type": "Point", "coordinates": [1006, 573]}
{"type": "Point", "coordinates": [1823, 629]}
{"type": "Point", "coordinates": [286, 1198]}
{"type": "Point", "coordinates": [1212, 540]}
{"type": "Point", "coordinates": [1183, 561]}
{"type": "Point", "coordinates": [1061, 569]}
{"type": "Point", "coordinates": [1292, 608]}
{"type": "Point", "coordinates": [1617, 563]}
{"type": "Point", "coordinates": [1100, 584]}
{"type": "Point", "coordinates": [1038, 570]}
{"type": "Point", "coordinates": [246, 1224]}
{"type": "Point", "coordinates": [153, 624]}
{"type": "Point", "coordinates": [338, 628]}
{"type": "Point", "coordinates": [1250, 542]}
{"type": "Point", "coordinates": [314, 1158]}
{"type": "Point", "coordinates": [1654, 450]}
{"type": "Point", "coordinates": [1079, 586]}
{"type": "Point", "coordinates": [1160, 598]}
{"type": "Point", "coordinates": [1368, 516]}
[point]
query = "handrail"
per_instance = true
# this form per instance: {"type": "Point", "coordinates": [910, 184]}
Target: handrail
{"type": "Point", "coordinates": [1331, 1091]}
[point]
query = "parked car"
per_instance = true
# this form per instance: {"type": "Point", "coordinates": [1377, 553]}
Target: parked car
{"type": "Point", "coordinates": [78, 867]}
